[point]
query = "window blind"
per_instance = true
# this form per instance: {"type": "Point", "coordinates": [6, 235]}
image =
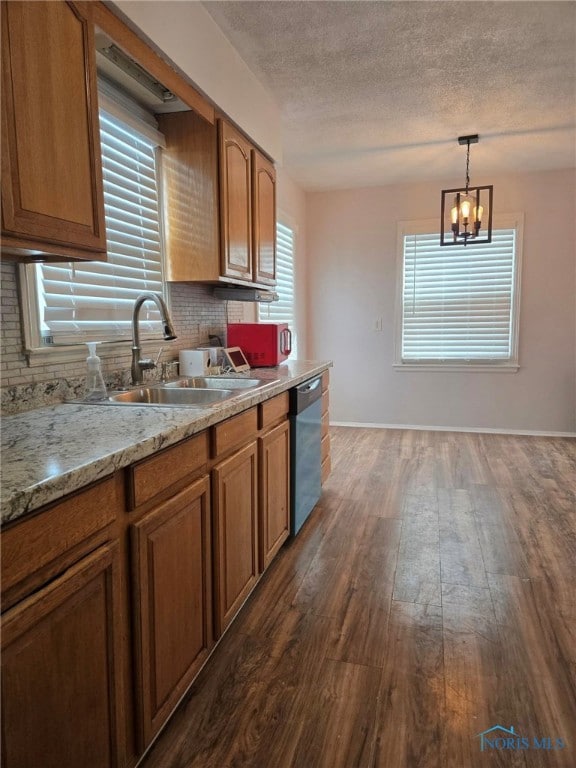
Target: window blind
{"type": "Point", "coordinates": [94, 300]}
{"type": "Point", "coordinates": [458, 306]}
{"type": "Point", "coordinates": [282, 311]}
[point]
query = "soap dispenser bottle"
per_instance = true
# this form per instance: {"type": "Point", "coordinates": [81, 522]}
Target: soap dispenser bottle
{"type": "Point", "coordinates": [95, 386]}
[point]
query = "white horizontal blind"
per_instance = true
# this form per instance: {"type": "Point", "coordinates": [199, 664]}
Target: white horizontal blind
{"type": "Point", "coordinates": [94, 300]}
{"type": "Point", "coordinates": [457, 305]}
{"type": "Point", "coordinates": [282, 311]}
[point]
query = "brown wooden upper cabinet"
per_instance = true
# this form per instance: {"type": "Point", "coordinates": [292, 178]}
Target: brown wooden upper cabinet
{"type": "Point", "coordinates": [247, 210]}
{"type": "Point", "coordinates": [52, 198]}
{"type": "Point", "coordinates": [220, 204]}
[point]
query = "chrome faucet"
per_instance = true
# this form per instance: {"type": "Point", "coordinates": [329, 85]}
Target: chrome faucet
{"type": "Point", "coordinates": [139, 365]}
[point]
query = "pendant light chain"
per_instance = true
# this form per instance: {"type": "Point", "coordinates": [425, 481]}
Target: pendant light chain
{"type": "Point", "coordinates": [468, 166]}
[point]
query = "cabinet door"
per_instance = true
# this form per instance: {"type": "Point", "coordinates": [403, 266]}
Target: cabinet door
{"type": "Point", "coordinates": [274, 492]}
{"type": "Point", "coordinates": [235, 488]}
{"type": "Point", "coordinates": [235, 204]}
{"type": "Point", "coordinates": [173, 605]}
{"type": "Point", "coordinates": [61, 682]}
{"type": "Point", "coordinates": [264, 219]}
{"type": "Point", "coordinates": [52, 199]}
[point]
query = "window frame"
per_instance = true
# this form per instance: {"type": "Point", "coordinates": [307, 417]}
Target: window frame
{"type": "Point", "coordinates": [429, 226]}
{"type": "Point", "coordinates": [38, 353]}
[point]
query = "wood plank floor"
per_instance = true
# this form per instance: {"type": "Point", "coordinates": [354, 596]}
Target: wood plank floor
{"type": "Point", "coordinates": [431, 596]}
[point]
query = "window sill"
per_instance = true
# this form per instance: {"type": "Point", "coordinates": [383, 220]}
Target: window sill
{"type": "Point", "coordinates": [467, 367]}
{"type": "Point", "coordinates": [72, 353]}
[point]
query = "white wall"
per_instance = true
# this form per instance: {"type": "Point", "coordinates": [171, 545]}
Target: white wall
{"type": "Point", "coordinates": [188, 35]}
{"type": "Point", "coordinates": [351, 241]}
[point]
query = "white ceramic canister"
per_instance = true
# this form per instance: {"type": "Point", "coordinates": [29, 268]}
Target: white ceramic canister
{"type": "Point", "coordinates": [194, 362]}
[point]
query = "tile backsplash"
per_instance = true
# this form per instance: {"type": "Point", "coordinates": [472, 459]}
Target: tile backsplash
{"type": "Point", "coordinates": [195, 312]}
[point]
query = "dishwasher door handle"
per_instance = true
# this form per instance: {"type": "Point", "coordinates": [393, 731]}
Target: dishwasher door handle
{"type": "Point", "coordinates": [303, 395]}
{"type": "Point", "coordinates": [309, 386]}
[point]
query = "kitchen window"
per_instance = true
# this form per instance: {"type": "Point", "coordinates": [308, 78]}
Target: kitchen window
{"type": "Point", "coordinates": [72, 302]}
{"type": "Point", "coordinates": [282, 311]}
{"type": "Point", "coordinates": [458, 308]}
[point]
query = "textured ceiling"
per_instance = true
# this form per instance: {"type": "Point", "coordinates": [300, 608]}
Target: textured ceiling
{"type": "Point", "coordinates": [377, 92]}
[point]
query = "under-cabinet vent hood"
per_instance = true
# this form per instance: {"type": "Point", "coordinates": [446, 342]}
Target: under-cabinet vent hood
{"type": "Point", "coordinates": [245, 294]}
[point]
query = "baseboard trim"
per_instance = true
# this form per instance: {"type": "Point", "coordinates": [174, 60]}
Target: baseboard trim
{"type": "Point", "coordinates": [428, 428]}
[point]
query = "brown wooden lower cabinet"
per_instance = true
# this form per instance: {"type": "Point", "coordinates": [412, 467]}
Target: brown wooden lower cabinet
{"type": "Point", "coordinates": [61, 686]}
{"type": "Point", "coordinates": [114, 596]}
{"type": "Point", "coordinates": [274, 482]}
{"type": "Point", "coordinates": [172, 601]}
{"type": "Point", "coordinates": [235, 518]}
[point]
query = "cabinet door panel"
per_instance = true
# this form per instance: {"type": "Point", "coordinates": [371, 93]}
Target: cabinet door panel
{"type": "Point", "coordinates": [274, 492]}
{"type": "Point", "coordinates": [190, 189]}
{"type": "Point", "coordinates": [235, 487]}
{"type": "Point", "coordinates": [264, 213]}
{"type": "Point", "coordinates": [172, 575]}
{"type": "Point", "coordinates": [235, 204]}
{"type": "Point", "coordinates": [51, 172]}
{"type": "Point", "coordinates": [61, 686]}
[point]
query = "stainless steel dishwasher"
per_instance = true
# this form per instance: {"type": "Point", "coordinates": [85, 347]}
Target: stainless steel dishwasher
{"type": "Point", "coordinates": [305, 454]}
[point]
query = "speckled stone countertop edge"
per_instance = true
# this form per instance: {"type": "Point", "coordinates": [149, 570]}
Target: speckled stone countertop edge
{"type": "Point", "coordinates": [51, 452]}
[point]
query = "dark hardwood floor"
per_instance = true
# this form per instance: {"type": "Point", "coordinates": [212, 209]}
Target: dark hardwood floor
{"type": "Point", "coordinates": [431, 596]}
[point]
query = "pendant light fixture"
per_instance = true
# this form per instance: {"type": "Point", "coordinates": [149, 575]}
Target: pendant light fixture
{"type": "Point", "coordinates": [466, 211]}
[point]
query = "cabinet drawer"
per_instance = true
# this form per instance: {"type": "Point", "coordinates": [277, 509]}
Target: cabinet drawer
{"type": "Point", "coordinates": [325, 402]}
{"type": "Point", "coordinates": [234, 432]}
{"type": "Point", "coordinates": [152, 476]}
{"type": "Point", "coordinates": [43, 545]}
{"type": "Point", "coordinates": [273, 410]}
{"type": "Point", "coordinates": [325, 380]}
{"type": "Point", "coordinates": [325, 422]}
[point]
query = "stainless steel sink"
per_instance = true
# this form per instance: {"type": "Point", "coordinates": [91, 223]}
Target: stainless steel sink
{"type": "Point", "coordinates": [197, 392]}
{"type": "Point", "coordinates": [198, 398]}
{"type": "Point", "coordinates": [214, 382]}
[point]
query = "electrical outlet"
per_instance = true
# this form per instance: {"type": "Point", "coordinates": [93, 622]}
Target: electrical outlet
{"type": "Point", "coordinates": [378, 324]}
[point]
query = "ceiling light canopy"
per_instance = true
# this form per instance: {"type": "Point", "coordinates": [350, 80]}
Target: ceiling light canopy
{"type": "Point", "coordinates": [466, 215]}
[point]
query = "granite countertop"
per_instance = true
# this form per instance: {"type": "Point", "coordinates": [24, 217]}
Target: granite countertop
{"type": "Point", "coordinates": [50, 452]}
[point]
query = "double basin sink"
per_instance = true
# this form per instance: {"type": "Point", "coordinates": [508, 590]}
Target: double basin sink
{"type": "Point", "coordinates": [197, 392]}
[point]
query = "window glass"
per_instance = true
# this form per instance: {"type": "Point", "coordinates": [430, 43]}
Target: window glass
{"type": "Point", "coordinates": [282, 311]}
{"type": "Point", "coordinates": [458, 305]}
{"type": "Point", "coordinates": [78, 301]}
